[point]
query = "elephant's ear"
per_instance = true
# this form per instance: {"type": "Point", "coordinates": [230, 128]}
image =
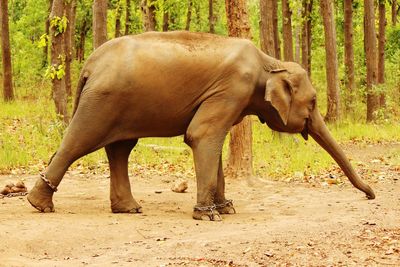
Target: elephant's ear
{"type": "Point", "coordinates": [278, 92]}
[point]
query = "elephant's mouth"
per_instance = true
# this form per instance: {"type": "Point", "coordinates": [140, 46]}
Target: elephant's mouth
{"type": "Point", "coordinates": [304, 132]}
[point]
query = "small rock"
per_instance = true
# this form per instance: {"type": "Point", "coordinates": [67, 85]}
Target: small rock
{"type": "Point", "coordinates": [180, 186]}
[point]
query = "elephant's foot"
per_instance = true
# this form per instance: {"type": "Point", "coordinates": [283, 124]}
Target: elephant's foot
{"type": "Point", "coordinates": [226, 207]}
{"type": "Point", "coordinates": [130, 206]}
{"type": "Point", "coordinates": [206, 213]}
{"type": "Point", "coordinates": [41, 197]}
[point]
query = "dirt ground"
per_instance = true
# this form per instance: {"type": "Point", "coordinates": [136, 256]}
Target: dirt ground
{"type": "Point", "coordinates": [299, 223]}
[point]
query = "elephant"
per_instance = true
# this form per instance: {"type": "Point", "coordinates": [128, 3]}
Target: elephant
{"type": "Point", "coordinates": [179, 83]}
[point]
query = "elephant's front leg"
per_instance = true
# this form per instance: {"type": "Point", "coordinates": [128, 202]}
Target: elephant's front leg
{"type": "Point", "coordinates": [205, 135]}
{"type": "Point", "coordinates": [206, 157]}
{"type": "Point", "coordinates": [223, 205]}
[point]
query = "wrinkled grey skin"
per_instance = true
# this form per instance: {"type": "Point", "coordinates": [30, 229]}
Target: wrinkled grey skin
{"type": "Point", "coordinates": [180, 83]}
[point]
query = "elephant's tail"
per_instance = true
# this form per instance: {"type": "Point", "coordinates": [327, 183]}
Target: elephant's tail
{"type": "Point", "coordinates": [81, 84]}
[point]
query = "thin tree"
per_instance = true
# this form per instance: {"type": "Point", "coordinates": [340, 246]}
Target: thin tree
{"type": "Point", "coordinates": [99, 22]}
{"type": "Point", "coordinates": [211, 17]}
{"type": "Point", "coordinates": [47, 30]}
{"type": "Point", "coordinates": [118, 15]}
{"type": "Point", "coordinates": [371, 59]}
{"type": "Point", "coordinates": [83, 30]}
{"type": "Point", "coordinates": [128, 19]}
{"type": "Point", "coordinates": [287, 31]}
{"type": "Point", "coordinates": [306, 36]}
{"type": "Point", "coordinates": [267, 27]}
{"type": "Point", "coordinates": [275, 27]}
{"type": "Point", "coordinates": [333, 109]}
{"type": "Point", "coordinates": [395, 10]}
{"type": "Point", "coordinates": [149, 14]}
{"type": "Point", "coordinates": [189, 14]}
{"type": "Point", "coordinates": [8, 91]}
{"type": "Point", "coordinates": [70, 9]}
{"type": "Point", "coordinates": [165, 25]}
{"type": "Point", "coordinates": [381, 49]}
{"type": "Point", "coordinates": [240, 146]}
{"type": "Point", "coordinates": [349, 52]}
{"type": "Point", "coordinates": [57, 33]}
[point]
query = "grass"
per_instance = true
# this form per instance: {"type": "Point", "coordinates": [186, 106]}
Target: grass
{"type": "Point", "coordinates": [30, 133]}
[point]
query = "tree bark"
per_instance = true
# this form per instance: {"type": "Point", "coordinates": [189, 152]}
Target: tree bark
{"type": "Point", "coordinates": [70, 8]}
{"type": "Point", "coordinates": [165, 18]}
{"type": "Point", "coordinates": [349, 52]}
{"type": "Point", "coordinates": [394, 12]}
{"type": "Point", "coordinates": [118, 14]}
{"type": "Point", "coordinates": [148, 13]}
{"type": "Point", "coordinates": [287, 31]}
{"type": "Point", "coordinates": [57, 57]}
{"type": "Point", "coordinates": [47, 30]}
{"type": "Point", "coordinates": [80, 51]}
{"type": "Point", "coordinates": [275, 27]}
{"type": "Point", "coordinates": [189, 14]}
{"type": "Point", "coordinates": [8, 91]}
{"type": "Point", "coordinates": [306, 36]}
{"type": "Point", "coordinates": [128, 20]}
{"type": "Point", "coordinates": [240, 161]}
{"type": "Point", "coordinates": [333, 109]}
{"type": "Point", "coordinates": [267, 27]}
{"type": "Point", "coordinates": [211, 18]}
{"type": "Point", "coordinates": [371, 59]}
{"type": "Point", "coordinates": [381, 50]}
{"type": "Point", "coordinates": [99, 22]}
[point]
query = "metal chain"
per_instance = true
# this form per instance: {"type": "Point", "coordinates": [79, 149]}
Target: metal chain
{"type": "Point", "coordinates": [14, 194]}
{"type": "Point", "coordinates": [43, 177]}
{"type": "Point", "coordinates": [213, 207]}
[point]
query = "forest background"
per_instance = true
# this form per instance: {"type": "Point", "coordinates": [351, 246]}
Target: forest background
{"type": "Point", "coordinates": [31, 130]}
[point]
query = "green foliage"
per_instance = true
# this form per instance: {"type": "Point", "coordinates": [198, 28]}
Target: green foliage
{"type": "Point", "coordinates": [59, 24]}
{"type": "Point", "coordinates": [43, 40]}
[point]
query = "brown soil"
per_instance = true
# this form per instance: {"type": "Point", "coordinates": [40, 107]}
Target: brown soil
{"type": "Point", "coordinates": [277, 223]}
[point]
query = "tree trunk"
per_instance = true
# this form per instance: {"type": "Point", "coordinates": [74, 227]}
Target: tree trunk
{"type": "Point", "coordinates": [165, 24]}
{"type": "Point", "coordinates": [80, 52]}
{"type": "Point", "coordinates": [8, 91]}
{"type": "Point", "coordinates": [326, 7]}
{"type": "Point", "coordinates": [240, 161]}
{"type": "Point", "coordinates": [267, 27]}
{"type": "Point", "coordinates": [381, 50]}
{"type": "Point", "coordinates": [189, 14]}
{"type": "Point", "coordinates": [275, 27]}
{"type": "Point", "coordinates": [309, 36]}
{"type": "Point", "coordinates": [371, 59]}
{"type": "Point", "coordinates": [394, 12]}
{"type": "Point", "coordinates": [118, 14]}
{"type": "Point", "coordinates": [349, 53]}
{"type": "Point", "coordinates": [70, 8]}
{"type": "Point", "coordinates": [211, 18]}
{"type": "Point", "coordinates": [128, 20]}
{"type": "Point", "coordinates": [297, 39]}
{"type": "Point", "coordinates": [306, 36]}
{"type": "Point", "coordinates": [57, 58]}
{"type": "Point", "coordinates": [99, 22]}
{"type": "Point", "coordinates": [47, 30]}
{"type": "Point", "coordinates": [149, 14]}
{"type": "Point", "coordinates": [287, 31]}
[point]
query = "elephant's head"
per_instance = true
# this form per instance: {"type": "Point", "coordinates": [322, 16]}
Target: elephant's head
{"type": "Point", "coordinates": [292, 107]}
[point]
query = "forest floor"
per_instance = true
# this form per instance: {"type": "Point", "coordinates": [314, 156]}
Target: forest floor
{"type": "Point", "coordinates": [309, 221]}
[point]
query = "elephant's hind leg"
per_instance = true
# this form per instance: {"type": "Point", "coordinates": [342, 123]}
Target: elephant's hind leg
{"type": "Point", "coordinates": [121, 197]}
{"type": "Point", "coordinates": [86, 133]}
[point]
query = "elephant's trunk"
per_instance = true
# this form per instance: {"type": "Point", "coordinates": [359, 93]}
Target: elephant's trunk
{"type": "Point", "coordinates": [321, 134]}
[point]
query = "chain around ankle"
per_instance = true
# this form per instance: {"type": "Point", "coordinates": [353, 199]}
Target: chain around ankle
{"type": "Point", "coordinates": [43, 177]}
